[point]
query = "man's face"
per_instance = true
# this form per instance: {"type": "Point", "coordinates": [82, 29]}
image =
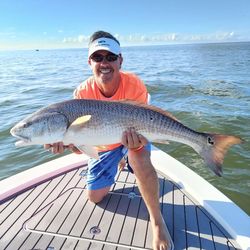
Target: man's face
{"type": "Point", "coordinates": [105, 66]}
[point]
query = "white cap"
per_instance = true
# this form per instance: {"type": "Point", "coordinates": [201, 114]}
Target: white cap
{"type": "Point", "coordinates": [104, 43]}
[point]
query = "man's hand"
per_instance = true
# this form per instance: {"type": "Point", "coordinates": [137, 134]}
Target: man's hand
{"type": "Point", "coordinates": [59, 148]}
{"type": "Point", "coordinates": [132, 140]}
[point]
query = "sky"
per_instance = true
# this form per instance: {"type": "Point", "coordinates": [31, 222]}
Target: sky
{"type": "Point", "coordinates": [46, 24]}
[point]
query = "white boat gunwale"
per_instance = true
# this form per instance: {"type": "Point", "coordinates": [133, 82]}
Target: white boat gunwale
{"type": "Point", "coordinates": [23, 181]}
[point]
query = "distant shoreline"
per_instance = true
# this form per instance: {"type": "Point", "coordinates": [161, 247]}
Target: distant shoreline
{"type": "Point", "coordinates": [126, 46]}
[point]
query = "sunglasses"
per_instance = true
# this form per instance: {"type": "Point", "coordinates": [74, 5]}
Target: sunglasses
{"type": "Point", "coordinates": [99, 58]}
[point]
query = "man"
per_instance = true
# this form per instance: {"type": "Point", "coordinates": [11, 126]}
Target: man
{"type": "Point", "coordinates": [109, 83]}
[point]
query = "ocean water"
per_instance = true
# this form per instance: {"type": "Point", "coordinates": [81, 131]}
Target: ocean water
{"type": "Point", "coordinates": [206, 86]}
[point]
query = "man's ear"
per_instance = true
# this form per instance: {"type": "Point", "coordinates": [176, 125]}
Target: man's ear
{"type": "Point", "coordinates": [121, 60]}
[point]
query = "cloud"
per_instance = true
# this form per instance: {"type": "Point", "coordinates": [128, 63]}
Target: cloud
{"type": "Point", "coordinates": [164, 38]}
{"type": "Point", "coordinates": [143, 38]}
{"type": "Point", "coordinates": [80, 39]}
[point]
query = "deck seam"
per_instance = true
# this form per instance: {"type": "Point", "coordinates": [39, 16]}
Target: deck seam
{"type": "Point", "coordinates": [76, 219]}
{"type": "Point", "coordinates": [66, 215]}
{"type": "Point", "coordinates": [63, 176]}
{"type": "Point", "coordinates": [19, 204]}
{"type": "Point", "coordinates": [124, 221]}
{"type": "Point", "coordinates": [60, 193]}
{"type": "Point", "coordinates": [21, 213]}
{"type": "Point", "coordinates": [113, 218]}
{"type": "Point", "coordinates": [43, 201]}
{"type": "Point", "coordinates": [86, 223]}
{"type": "Point", "coordinates": [136, 220]}
{"type": "Point", "coordinates": [185, 220]}
{"type": "Point", "coordinates": [93, 237]}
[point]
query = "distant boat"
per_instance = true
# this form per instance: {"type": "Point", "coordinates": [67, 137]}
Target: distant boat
{"type": "Point", "coordinates": [37, 49]}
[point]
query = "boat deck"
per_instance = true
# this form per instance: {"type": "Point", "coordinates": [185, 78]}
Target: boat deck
{"type": "Point", "coordinates": [56, 214]}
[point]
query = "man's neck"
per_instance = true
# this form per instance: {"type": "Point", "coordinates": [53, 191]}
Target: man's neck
{"type": "Point", "coordinates": [110, 88]}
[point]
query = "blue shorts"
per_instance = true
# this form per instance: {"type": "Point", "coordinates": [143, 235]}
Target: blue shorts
{"type": "Point", "coordinates": [102, 172]}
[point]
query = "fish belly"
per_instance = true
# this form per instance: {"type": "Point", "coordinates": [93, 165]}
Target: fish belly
{"type": "Point", "coordinates": [94, 137]}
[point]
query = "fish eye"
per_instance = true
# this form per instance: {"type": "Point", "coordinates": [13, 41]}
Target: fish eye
{"type": "Point", "coordinates": [26, 125]}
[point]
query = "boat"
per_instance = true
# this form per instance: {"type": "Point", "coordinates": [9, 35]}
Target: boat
{"type": "Point", "coordinates": [46, 207]}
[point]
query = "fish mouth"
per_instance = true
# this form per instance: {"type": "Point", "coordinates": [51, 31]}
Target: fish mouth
{"type": "Point", "coordinates": [15, 132]}
{"type": "Point", "coordinates": [22, 139]}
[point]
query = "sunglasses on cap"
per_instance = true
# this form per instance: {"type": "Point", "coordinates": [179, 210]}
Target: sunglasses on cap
{"type": "Point", "coordinates": [99, 58]}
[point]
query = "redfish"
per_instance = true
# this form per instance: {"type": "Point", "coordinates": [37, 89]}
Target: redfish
{"type": "Point", "coordinates": [90, 123]}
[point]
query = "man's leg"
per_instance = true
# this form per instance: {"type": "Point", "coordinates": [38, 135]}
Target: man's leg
{"type": "Point", "coordinates": [97, 195]}
{"type": "Point", "coordinates": [149, 187]}
{"type": "Point", "coordinates": [102, 172]}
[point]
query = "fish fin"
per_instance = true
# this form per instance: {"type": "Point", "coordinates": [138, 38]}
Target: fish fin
{"type": "Point", "coordinates": [22, 143]}
{"type": "Point", "coordinates": [151, 107]}
{"type": "Point", "coordinates": [161, 141]}
{"type": "Point", "coordinates": [217, 146]}
{"type": "Point", "coordinates": [80, 121]}
{"type": "Point", "coordinates": [102, 147]}
{"type": "Point", "coordinates": [89, 150]}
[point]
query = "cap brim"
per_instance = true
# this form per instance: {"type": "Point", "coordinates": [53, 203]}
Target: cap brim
{"type": "Point", "coordinates": [107, 44]}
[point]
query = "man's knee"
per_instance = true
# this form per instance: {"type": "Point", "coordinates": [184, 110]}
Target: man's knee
{"type": "Point", "coordinates": [94, 198]}
{"type": "Point", "coordinates": [97, 195]}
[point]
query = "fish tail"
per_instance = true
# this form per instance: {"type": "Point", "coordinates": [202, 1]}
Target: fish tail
{"type": "Point", "coordinates": [216, 148]}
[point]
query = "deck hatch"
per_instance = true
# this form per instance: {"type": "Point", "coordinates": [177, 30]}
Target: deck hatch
{"type": "Point", "coordinates": [96, 223]}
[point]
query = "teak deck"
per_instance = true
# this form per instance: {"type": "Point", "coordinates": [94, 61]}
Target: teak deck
{"type": "Point", "coordinates": [56, 215]}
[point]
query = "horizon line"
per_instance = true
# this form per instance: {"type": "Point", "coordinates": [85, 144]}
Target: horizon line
{"type": "Point", "coordinates": [127, 45]}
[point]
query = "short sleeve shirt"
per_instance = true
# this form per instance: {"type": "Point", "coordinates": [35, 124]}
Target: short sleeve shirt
{"type": "Point", "coordinates": [130, 88]}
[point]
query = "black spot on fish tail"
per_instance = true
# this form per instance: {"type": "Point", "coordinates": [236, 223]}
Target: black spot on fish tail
{"type": "Point", "coordinates": [210, 140]}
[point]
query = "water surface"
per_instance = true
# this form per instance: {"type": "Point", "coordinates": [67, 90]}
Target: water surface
{"type": "Point", "coordinates": [206, 86]}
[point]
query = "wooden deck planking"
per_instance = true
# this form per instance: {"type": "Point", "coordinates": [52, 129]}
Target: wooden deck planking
{"type": "Point", "coordinates": [75, 226]}
{"type": "Point", "coordinates": [56, 187]}
{"type": "Point", "coordinates": [205, 232]}
{"type": "Point", "coordinates": [167, 207]}
{"type": "Point", "coordinates": [9, 208]}
{"type": "Point", "coordinates": [4, 205]}
{"type": "Point", "coordinates": [114, 233]}
{"type": "Point", "coordinates": [44, 240]}
{"type": "Point", "coordinates": [53, 188]}
{"type": "Point", "coordinates": [71, 218]}
{"type": "Point", "coordinates": [179, 234]}
{"type": "Point", "coordinates": [142, 224]}
{"type": "Point", "coordinates": [120, 218]}
{"type": "Point", "coordinates": [15, 220]}
{"type": "Point", "coordinates": [192, 229]}
{"type": "Point", "coordinates": [127, 232]}
{"type": "Point", "coordinates": [95, 218]}
{"type": "Point", "coordinates": [108, 217]}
